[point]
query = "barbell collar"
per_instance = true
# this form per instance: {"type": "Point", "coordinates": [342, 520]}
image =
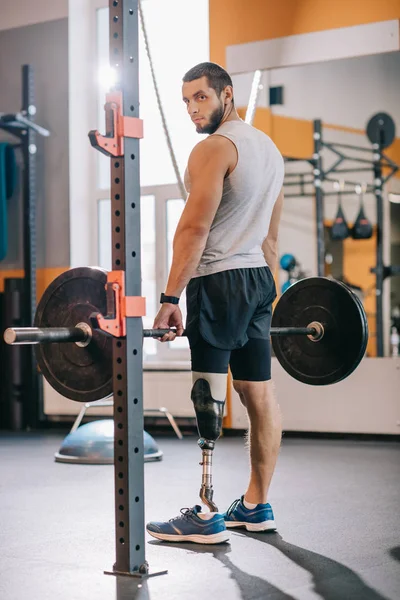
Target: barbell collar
{"type": "Point", "coordinates": [319, 331]}
{"type": "Point", "coordinates": [88, 332]}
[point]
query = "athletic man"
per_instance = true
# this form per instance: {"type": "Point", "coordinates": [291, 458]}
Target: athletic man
{"type": "Point", "coordinates": [224, 253]}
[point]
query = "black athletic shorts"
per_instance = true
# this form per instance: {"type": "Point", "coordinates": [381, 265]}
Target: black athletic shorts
{"type": "Point", "coordinates": [228, 322]}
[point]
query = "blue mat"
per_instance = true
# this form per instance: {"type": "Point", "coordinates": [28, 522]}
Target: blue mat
{"type": "Point", "coordinates": [8, 178]}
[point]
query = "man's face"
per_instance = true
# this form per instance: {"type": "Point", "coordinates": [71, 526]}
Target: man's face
{"type": "Point", "coordinates": [203, 105]}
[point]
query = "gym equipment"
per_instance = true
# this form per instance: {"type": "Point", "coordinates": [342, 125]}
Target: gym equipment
{"type": "Point", "coordinates": [340, 229]}
{"type": "Point", "coordinates": [93, 443]}
{"type": "Point", "coordinates": [73, 340]}
{"type": "Point", "coordinates": [287, 262]}
{"type": "Point", "coordinates": [362, 228]}
{"type": "Point", "coordinates": [337, 311]}
{"type": "Point", "coordinates": [381, 130]}
{"type": "Point", "coordinates": [80, 371]}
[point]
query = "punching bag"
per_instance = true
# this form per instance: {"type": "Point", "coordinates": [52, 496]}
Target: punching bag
{"type": "Point", "coordinates": [339, 229]}
{"type": "Point", "coordinates": [362, 228]}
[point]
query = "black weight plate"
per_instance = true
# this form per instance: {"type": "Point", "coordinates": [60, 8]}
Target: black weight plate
{"type": "Point", "coordinates": [381, 130]}
{"type": "Point", "coordinates": [363, 348]}
{"type": "Point", "coordinates": [345, 339]}
{"type": "Point", "coordinates": [82, 374]}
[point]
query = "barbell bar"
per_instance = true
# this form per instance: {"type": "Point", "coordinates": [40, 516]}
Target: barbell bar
{"type": "Point", "coordinates": [82, 334]}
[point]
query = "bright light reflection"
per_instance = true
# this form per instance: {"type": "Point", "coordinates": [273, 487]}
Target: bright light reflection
{"type": "Point", "coordinates": [107, 76]}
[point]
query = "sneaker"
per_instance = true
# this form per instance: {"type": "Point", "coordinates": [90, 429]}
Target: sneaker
{"type": "Point", "coordinates": [190, 528]}
{"type": "Point", "coordinates": [260, 518]}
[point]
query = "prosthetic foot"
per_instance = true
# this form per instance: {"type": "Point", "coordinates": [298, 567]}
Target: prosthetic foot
{"type": "Point", "coordinates": [209, 415]}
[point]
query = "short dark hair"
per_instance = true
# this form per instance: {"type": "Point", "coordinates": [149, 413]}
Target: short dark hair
{"type": "Point", "coordinates": [217, 77]}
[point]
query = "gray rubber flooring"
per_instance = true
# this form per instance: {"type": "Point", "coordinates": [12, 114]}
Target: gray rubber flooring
{"type": "Point", "coordinates": [336, 504]}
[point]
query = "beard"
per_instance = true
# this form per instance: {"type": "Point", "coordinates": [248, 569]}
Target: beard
{"type": "Point", "coordinates": [214, 122]}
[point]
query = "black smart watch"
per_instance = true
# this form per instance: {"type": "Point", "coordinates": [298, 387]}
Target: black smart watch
{"type": "Point", "coordinates": [169, 299]}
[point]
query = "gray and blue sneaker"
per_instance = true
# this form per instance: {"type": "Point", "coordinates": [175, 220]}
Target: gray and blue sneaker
{"type": "Point", "coordinates": [188, 527]}
{"type": "Point", "coordinates": [260, 518]}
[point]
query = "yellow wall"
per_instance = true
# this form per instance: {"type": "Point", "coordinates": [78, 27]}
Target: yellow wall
{"type": "Point", "coordinates": [238, 22]}
{"type": "Point", "coordinates": [43, 280]}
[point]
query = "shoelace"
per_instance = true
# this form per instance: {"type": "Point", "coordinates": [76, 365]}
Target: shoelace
{"type": "Point", "coordinates": [185, 512]}
{"type": "Point", "coordinates": [232, 506]}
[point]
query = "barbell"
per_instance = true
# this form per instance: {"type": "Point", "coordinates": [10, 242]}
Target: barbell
{"type": "Point", "coordinates": [319, 333]}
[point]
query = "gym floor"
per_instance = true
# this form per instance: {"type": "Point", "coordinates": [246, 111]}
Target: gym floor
{"type": "Point", "coordinates": [336, 503]}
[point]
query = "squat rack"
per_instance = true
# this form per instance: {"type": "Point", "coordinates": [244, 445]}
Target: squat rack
{"type": "Point", "coordinates": [376, 162]}
{"type": "Point", "coordinates": [121, 142]}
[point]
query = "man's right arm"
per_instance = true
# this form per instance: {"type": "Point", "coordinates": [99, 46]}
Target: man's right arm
{"type": "Point", "coordinates": [270, 244]}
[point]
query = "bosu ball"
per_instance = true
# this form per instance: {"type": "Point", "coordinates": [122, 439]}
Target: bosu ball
{"type": "Point", "coordinates": [93, 443]}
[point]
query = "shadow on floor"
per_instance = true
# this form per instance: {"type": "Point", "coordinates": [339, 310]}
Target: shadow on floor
{"type": "Point", "coordinates": [331, 580]}
{"type": "Point", "coordinates": [251, 587]}
{"type": "Point", "coordinates": [395, 553]}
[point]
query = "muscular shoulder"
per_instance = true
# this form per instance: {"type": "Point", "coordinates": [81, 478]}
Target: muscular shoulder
{"type": "Point", "coordinates": [216, 149]}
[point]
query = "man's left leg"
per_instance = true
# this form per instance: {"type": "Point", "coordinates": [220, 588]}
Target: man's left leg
{"type": "Point", "coordinates": [265, 432]}
{"type": "Point", "coordinates": [251, 370]}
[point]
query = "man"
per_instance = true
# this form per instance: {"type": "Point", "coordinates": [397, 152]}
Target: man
{"type": "Point", "coordinates": [224, 253]}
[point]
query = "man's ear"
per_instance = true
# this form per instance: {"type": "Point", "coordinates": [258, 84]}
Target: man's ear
{"type": "Point", "coordinates": [228, 93]}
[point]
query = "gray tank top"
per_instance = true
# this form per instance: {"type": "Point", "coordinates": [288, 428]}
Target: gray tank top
{"type": "Point", "coordinates": [242, 220]}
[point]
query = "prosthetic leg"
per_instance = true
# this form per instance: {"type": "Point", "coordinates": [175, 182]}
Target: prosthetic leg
{"type": "Point", "coordinates": [209, 415]}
